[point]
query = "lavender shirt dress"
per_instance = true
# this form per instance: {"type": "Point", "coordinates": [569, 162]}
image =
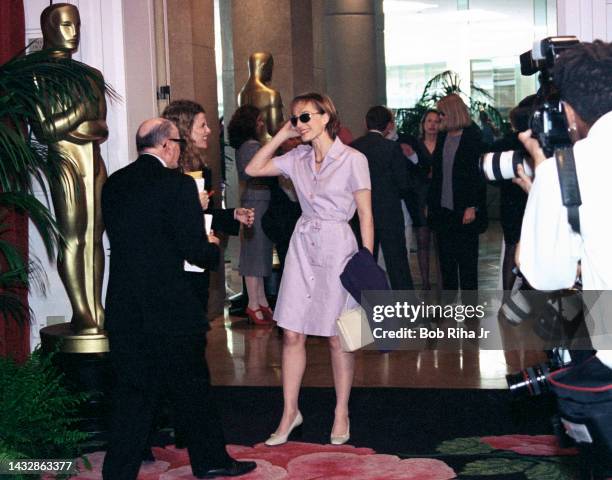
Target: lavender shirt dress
{"type": "Point", "coordinates": [311, 296]}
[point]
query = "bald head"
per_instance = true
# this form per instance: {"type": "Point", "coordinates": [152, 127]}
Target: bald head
{"type": "Point", "coordinates": [154, 133]}
{"type": "Point", "coordinates": [158, 136]}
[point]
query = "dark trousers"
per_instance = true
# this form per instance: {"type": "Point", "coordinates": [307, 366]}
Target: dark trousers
{"type": "Point", "coordinates": [147, 367]}
{"type": "Point", "coordinates": [458, 253]}
{"type": "Point", "coordinates": [393, 245]}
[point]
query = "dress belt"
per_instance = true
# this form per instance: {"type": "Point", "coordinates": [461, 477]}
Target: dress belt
{"type": "Point", "coordinates": [308, 224]}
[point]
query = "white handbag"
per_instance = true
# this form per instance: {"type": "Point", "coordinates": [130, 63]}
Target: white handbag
{"type": "Point", "coordinates": [354, 330]}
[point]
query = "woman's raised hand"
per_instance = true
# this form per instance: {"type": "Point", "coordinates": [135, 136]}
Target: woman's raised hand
{"type": "Point", "coordinates": [287, 131]}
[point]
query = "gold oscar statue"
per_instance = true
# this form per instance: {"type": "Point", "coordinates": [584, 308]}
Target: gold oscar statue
{"type": "Point", "coordinates": [257, 92]}
{"type": "Point", "coordinates": [76, 132]}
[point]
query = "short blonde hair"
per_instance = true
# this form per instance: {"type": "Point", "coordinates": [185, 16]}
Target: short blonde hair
{"type": "Point", "coordinates": [323, 104]}
{"type": "Point", "coordinates": [455, 112]}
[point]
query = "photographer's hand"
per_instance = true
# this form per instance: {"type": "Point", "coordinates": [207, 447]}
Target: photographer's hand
{"type": "Point", "coordinates": [533, 148]}
{"type": "Point", "coordinates": [523, 180]}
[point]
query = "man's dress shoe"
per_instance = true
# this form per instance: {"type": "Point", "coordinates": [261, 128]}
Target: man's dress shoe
{"type": "Point", "coordinates": [234, 469]}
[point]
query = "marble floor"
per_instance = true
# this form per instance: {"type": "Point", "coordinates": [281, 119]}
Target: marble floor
{"type": "Point", "coordinates": [243, 354]}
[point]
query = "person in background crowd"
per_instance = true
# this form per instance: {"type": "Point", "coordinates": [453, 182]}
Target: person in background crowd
{"type": "Point", "coordinates": [390, 183]}
{"type": "Point", "coordinates": [512, 198]}
{"type": "Point", "coordinates": [416, 202]}
{"type": "Point", "coordinates": [245, 127]}
{"type": "Point", "coordinates": [456, 201]}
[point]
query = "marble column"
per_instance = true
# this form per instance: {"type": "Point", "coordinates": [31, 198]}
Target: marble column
{"type": "Point", "coordinates": [354, 58]}
{"type": "Point", "coordinates": [282, 27]}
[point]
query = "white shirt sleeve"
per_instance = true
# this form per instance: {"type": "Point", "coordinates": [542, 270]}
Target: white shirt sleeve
{"type": "Point", "coordinates": [549, 249]}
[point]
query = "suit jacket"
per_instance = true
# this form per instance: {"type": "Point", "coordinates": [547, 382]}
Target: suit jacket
{"type": "Point", "coordinates": [154, 222]}
{"type": "Point", "coordinates": [390, 182]}
{"type": "Point", "coordinates": [469, 188]}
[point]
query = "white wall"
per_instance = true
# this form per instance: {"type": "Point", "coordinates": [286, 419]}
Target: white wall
{"type": "Point", "coordinates": [587, 19]}
{"type": "Point", "coordinates": [126, 57]}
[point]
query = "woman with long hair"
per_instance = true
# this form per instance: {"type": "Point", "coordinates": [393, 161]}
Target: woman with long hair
{"type": "Point", "coordinates": [332, 180]}
{"type": "Point", "coordinates": [457, 211]}
{"type": "Point", "coordinates": [245, 128]}
{"type": "Point", "coordinates": [424, 146]}
{"type": "Point", "coordinates": [190, 119]}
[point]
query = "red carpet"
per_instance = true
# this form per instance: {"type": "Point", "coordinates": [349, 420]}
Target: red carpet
{"type": "Point", "coordinates": [492, 457]}
{"type": "Point", "coordinates": [295, 461]}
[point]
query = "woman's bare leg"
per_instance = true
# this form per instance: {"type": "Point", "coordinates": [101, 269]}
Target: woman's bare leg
{"type": "Point", "coordinates": [293, 366]}
{"type": "Point", "coordinates": [343, 366]}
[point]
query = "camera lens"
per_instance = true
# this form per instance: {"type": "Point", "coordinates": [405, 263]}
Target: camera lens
{"type": "Point", "coordinates": [503, 165]}
{"type": "Point", "coordinates": [517, 307]}
{"type": "Point", "coordinates": [529, 382]}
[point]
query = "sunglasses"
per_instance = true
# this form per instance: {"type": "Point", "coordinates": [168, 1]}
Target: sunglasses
{"type": "Point", "coordinates": [303, 117]}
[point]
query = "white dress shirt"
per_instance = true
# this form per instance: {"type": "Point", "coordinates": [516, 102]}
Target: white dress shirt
{"type": "Point", "coordinates": [549, 249]}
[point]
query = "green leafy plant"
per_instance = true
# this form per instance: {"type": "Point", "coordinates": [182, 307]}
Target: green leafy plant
{"type": "Point", "coordinates": [38, 414]}
{"type": "Point", "coordinates": [29, 86]}
{"type": "Point", "coordinates": [445, 83]}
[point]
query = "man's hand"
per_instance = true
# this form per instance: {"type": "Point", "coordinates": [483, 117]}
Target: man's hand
{"type": "Point", "coordinates": [246, 216]}
{"type": "Point", "coordinates": [204, 199]}
{"type": "Point", "coordinates": [213, 239]}
{"type": "Point", "coordinates": [533, 148]}
{"type": "Point", "coordinates": [407, 149]}
{"type": "Point", "coordinates": [469, 215]}
{"type": "Point", "coordinates": [523, 180]}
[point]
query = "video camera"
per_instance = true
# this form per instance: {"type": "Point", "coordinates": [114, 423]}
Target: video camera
{"type": "Point", "coordinates": [547, 122]}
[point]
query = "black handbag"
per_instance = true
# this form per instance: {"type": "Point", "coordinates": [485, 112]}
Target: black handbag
{"type": "Point", "coordinates": [584, 397]}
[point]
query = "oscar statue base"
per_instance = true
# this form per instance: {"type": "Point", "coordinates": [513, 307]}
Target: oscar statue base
{"type": "Point", "coordinates": [84, 361]}
{"type": "Point", "coordinates": [70, 342]}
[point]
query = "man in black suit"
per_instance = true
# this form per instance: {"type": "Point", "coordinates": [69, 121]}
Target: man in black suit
{"type": "Point", "coordinates": [156, 325]}
{"type": "Point", "coordinates": [389, 176]}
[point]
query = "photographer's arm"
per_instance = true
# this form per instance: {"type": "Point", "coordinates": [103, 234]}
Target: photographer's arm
{"type": "Point", "coordinates": [549, 249]}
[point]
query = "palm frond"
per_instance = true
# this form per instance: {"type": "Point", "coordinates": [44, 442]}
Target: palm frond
{"type": "Point", "coordinates": [12, 306]}
{"type": "Point", "coordinates": [38, 213]}
{"type": "Point", "coordinates": [30, 87]}
{"type": "Point", "coordinates": [442, 84]}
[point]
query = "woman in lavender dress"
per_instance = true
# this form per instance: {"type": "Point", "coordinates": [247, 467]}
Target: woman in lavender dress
{"type": "Point", "coordinates": [332, 180]}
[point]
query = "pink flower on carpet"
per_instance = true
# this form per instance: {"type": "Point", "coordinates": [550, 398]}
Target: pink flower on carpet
{"type": "Point", "coordinates": [282, 454]}
{"type": "Point", "coordinates": [148, 470]}
{"type": "Point", "coordinates": [339, 466]}
{"type": "Point", "coordinates": [176, 457]}
{"type": "Point", "coordinates": [96, 459]}
{"type": "Point", "coordinates": [294, 460]}
{"type": "Point", "coordinates": [529, 444]}
{"type": "Point", "coordinates": [264, 471]}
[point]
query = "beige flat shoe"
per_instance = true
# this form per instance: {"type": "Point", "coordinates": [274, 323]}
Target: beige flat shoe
{"type": "Point", "coordinates": [281, 438]}
{"type": "Point", "coordinates": [341, 439]}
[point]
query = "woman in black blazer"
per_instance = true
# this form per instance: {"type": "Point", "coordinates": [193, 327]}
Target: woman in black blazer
{"type": "Point", "coordinates": [190, 119]}
{"type": "Point", "coordinates": [457, 209]}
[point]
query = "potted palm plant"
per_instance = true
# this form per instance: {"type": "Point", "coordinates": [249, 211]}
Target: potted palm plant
{"type": "Point", "coordinates": [445, 83]}
{"type": "Point", "coordinates": [36, 414]}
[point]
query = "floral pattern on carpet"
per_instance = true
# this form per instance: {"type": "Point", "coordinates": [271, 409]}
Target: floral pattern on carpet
{"type": "Point", "coordinates": [292, 461]}
{"type": "Point", "coordinates": [534, 457]}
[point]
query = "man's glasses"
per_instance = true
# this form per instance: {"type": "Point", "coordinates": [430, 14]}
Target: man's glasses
{"type": "Point", "coordinates": [303, 117]}
{"type": "Point", "coordinates": [181, 141]}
